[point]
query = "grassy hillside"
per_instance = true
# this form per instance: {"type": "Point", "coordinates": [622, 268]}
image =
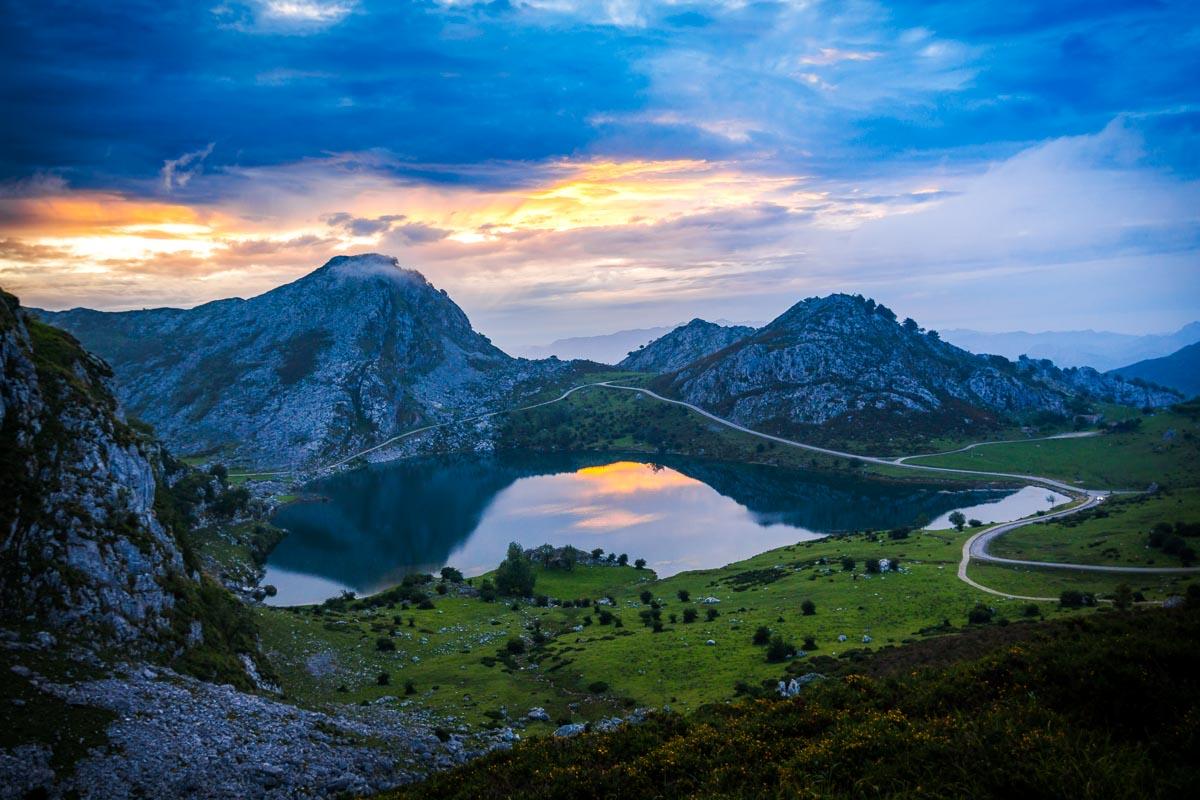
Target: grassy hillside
{"type": "Point", "coordinates": [1163, 448]}
{"type": "Point", "coordinates": [1106, 706]}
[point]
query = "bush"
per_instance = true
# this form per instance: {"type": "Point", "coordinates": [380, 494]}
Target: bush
{"type": "Point", "coordinates": [605, 616]}
{"type": "Point", "coordinates": [689, 615]}
{"type": "Point", "coordinates": [778, 649]}
{"type": "Point", "coordinates": [1073, 598]}
{"type": "Point", "coordinates": [514, 576]}
{"type": "Point", "coordinates": [451, 575]}
{"type": "Point", "coordinates": [541, 601]}
{"type": "Point", "coordinates": [873, 566]}
{"type": "Point", "coordinates": [974, 523]}
{"type": "Point", "coordinates": [409, 688]}
{"type": "Point", "coordinates": [847, 564]}
{"type": "Point", "coordinates": [425, 605]}
{"type": "Point", "coordinates": [646, 596]}
{"type": "Point", "coordinates": [958, 520]}
{"type": "Point", "coordinates": [1032, 610]}
{"type": "Point", "coordinates": [808, 608]}
{"type": "Point", "coordinates": [899, 533]}
{"type": "Point", "coordinates": [515, 645]}
{"type": "Point", "coordinates": [597, 687]}
{"type": "Point", "coordinates": [622, 559]}
{"type": "Point", "coordinates": [487, 592]}
{"type": "Point", "coordinates": [711, 613]}
{"type": "Point", "coordinates": [441, 588]}
{"type": "Point", "coordinates": [684, 595]}
{"type": "Point", "coordinates": [640, 563]}
{"type": "Point", "coordinates": [385, 645]}
{"type": "Point", "coordinates": [810, 643]}
{"type": "Point", "coordinates": [383, 679]}
{"type": "Point", "coordinates": [762, 635]}
{"type": "Point", "coordinates": [980, 614]}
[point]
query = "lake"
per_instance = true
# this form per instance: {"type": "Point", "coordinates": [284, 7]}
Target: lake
{"type": "Point", "coordinates": [375, 525]}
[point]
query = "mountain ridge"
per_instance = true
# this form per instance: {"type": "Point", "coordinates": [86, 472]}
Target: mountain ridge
{"type": "Point", "coordinates": [683, 345]}
{"type": "Point", "coordinates": [1179, 370]}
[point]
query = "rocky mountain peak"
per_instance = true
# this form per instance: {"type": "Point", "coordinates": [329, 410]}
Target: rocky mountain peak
{"type": "Point", "coordinates": [683, 345]}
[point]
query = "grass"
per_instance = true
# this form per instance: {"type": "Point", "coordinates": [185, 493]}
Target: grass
{"type": "Point", "coordinates": [1100, 707]}
{"type": "Point", "coordinates": [331, 656]}
{"type": "Point", "coordinates": [1043, 582]}
{"type": "Point", "coordinates": [1165, 450]}
{"type": "Point", "coordinates": [1114, 533]}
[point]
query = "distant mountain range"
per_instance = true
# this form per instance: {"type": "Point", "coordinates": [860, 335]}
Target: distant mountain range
{"type": "Point", "coordinates": [609, 348]}
{"type": "Point", "coordinates": [351, 354]}
{"type": "Point", "coordinates": [1180, 370]}
{"type": "Point", "coordinates": [361, 350]}
{"type": "Point", "coordinates": [1102, 350]}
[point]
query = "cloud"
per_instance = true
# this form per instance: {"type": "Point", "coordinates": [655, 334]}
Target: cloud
{"type": "Point", "coordinates": [178, 172]}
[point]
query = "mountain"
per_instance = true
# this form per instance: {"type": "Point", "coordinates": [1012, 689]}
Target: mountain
{"type": "Point", "coordinates": [684, 345]}
{"type": "Point", "coordinates": [341, 359]}
{"type": "Point", "coordinates": [842, 364]}
{"type": "Point", "coordinates": [1180, 370]}
{"type": "Point", "coordinates": [607, 348]}
{"type": "Point", "coordinates": [1102, 350]}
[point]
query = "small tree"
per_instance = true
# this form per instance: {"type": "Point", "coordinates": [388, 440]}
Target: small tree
{"type": "Point", "coordinates": [515, 645]}
{"type": "Point", "coordinates": [646, 596]}
{"type": "Point", "coordinates": [808, 608]}
{"type": "Point", "coordinates": [451, 575]}
{"type": "Point", "coordinates": [778, 649]}
{"type": "Point", "coordinates": [810, 643]}
{"type": "Point", "coordinates": [689, 615]}
{"type": "Point", "coordinates": [1123, 597]}
{"type": "Point", "coordinates": [514, 576]}
{"type": "Point", "coordinates": [640, 563]}
{"type": "Point", "coordinates": [599, 551]}
{"type": "Point", "coordinates": [684, 595]}
{"type": "Point", "coordinates": [847, 564]}
{"type": "Point", "coordinates": [1031, 610]}
{"type": "Point", "coordinates": [384, 645]}
{"type": "Point", "coordinates": [762, 635]}
{"type": "Point", "coordinates": [383, 679]}
{"type": "Point", "coordinates": [958, 520]}
{"type": "Point", "coordinates": [974, 523]}
{"type": "Point", "coordinates": [873, 566]}
{"type": "Point", "coordinates": [622, 559]}
{"type": "Point", "coordinates": [711, 614]}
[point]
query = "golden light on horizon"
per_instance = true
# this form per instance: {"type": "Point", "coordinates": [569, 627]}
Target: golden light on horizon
{"type": "Point", "coordinates": [630, 477]}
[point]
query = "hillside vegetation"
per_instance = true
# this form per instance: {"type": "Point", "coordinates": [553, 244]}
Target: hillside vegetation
{"type": "Point", "coordinates": [1101, 707]}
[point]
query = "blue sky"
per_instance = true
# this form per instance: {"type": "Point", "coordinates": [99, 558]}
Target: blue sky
{"type": "Point", "coordinates": [574, 167]}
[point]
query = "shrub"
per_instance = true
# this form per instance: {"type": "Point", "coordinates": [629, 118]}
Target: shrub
{"type": "Point", "coordinates": [384, 645]}
{"type": "Point", "coordinates": [646, 596]}
{"type": "Point", "coordinates": [597, 687]}
{"type": "Point", "coordinates": [778, 649]}
{"type": "Point", "coordinates": [689, 615]}
{"type": "Point", "coordinates": [514, 576]}
{"type": "Point", "coordinates": [1073, 598]}
{"type": "Point", "coordinates": [622, 559]}
{"type": "Point", "coordinates": [1032, 610]}
{"type": "Point", "coordinates": [873, 566]}
{"type": "Point", "coordinates": [441, 588]}
{"type": "Point", "coordinates": [808, 608]}
{"type": "Point", "coordinates": [672, 617]}
{"type": "Point", "coordinates": [711, 613]}
{"type": "Point", "coordinates": [541, 600]}
{"type": "Point", "coordinates": [451, 575]}
{"type": "Point", "coordinates": [684, 595]}
{"type": "Point", "coordinates": [810, 643]}
{"type": "Point", "coordinates": [425, 604]}
{"type": "Point", "coordinates": [958, 520]}
{"type": "Point", "coordinates": [762, 635]}
{"type": "Point", "coordinates": [515, 645]}
{"type": "Point", "coordinates": [487, 592]}
{"type": "Point", "coordinates": [974, 523]}
{"type": "Point", "coordinates": [409, 688]}
{"type": "Point", "coordinates": [980, 614]}
{"type": "Point", "coordinates": [640, 563]}
{"type": "Point", "coordinates": [847, 564]}
{"type": "Point", "coordinates": [899, 533]}
{"type": "Point", "coordinates": [383, 679]}
{"type": "Point", "coordinates": [605, 616]}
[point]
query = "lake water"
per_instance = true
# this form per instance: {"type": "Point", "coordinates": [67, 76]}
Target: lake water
{"type": "Point", "coordinates": [377, 524]}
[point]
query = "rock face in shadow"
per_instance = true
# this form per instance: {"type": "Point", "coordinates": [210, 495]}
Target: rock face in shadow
{"type": "Point", "coordinates": [351, 354]}
{"type": "Point", "coordinates": [684, 345]}
{"type": "Point", "coordinates": [83, 549]}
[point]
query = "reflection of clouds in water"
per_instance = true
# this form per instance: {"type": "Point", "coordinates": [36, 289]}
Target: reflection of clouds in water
{"type": "Point", "coordinates": [628, 477]}
{"type": "Point", "coordinates": [614, 519]}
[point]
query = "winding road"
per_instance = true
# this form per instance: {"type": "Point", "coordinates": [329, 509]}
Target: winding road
{"type": "Point", "coordinates": [973, 548]}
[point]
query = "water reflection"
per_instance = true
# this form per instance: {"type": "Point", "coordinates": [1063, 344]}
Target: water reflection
{"type": "Point", "coordinates": [380, 523]}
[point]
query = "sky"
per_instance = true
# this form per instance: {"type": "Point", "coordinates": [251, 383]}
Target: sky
{"type": "Point", "coordinates": [572, 167]}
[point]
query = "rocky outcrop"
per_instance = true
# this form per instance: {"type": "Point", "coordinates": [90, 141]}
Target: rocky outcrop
{"type": "Point", "coordinates": [845, 359]}
{"type": "Point", "coordinates": [83, 550]}
{"type": "Point", "coordinates": [1089, 384]}
{"type": "Point", "coordinates": [337, 361]}
{"type": "Point", "coordinates": [684, 345]}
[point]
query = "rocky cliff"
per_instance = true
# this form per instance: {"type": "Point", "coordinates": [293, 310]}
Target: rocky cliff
{"type": "Point", "coordinates": [1090, 384]}
{"type": "Point", "coordinates": [351, 354]}
{"type": "Point", "coordinates": [844, 363]}
{"type": "Point", "coordinates": [684, 345]}
{"type": "Point", "coordinates": [89, 546]}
